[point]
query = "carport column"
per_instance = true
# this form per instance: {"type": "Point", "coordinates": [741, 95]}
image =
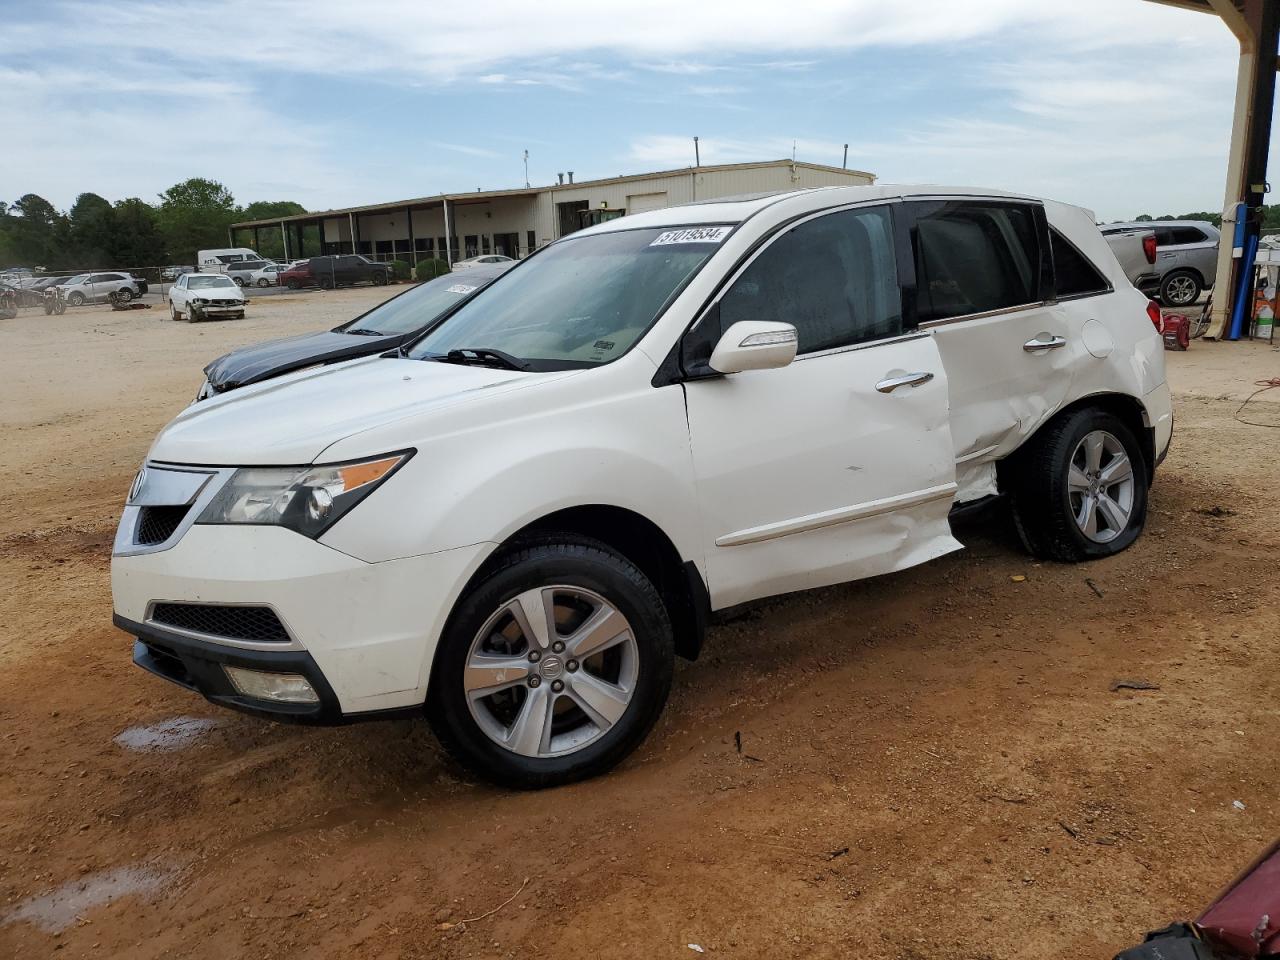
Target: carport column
{"type": "Point", "coordinates": [448, 234]}
{"type": "Point", "coordinates": [413, 247]}
{"type": "Point", "coordinates": [284, 237]}
{"type": "Point", "coordinates": [351, 228]}
{"type": "Point", "coordinates": [1255, 28]}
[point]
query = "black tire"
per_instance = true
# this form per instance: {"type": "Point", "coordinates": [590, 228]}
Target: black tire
{"type": "Point", "coordinates": [76, 299]}
{"type": "Point", "coordinates": [379, 279]}
{"type": "Point", "coordinates": [239, 281]}
{"type": "Point", "coordinates": [326, 283]}
{"type": "Point", "coordinates": [264, 282]}
{"type": "Point", "coordinates": [1180, 288]}
{"type": "Point", "coordinates": [573, 561]}
{"type": "Point", "coordinates": [292, 284]}
{"type": "Point", "coordinates": [173, 313]}
{"type": "Point", "coordinates": [124, 295]}
{"type": "Point", "coordinates": [1041, 499]}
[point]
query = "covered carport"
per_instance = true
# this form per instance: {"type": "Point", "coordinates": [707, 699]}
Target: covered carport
{"type": "Point", "coordinates": [1255, 24]}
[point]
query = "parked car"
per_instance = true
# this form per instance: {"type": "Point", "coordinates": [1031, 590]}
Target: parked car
{"type": "Point", "coordinates": [516, 521]}
{"type": "Point", "coordinates": [481, 261]}
{"type": "Point", "coordinates": [97, 287]}
{"type": "Point", "coordinates": [1186, 257]}
{"type": "Point", "coordinates": [340, 270]}
{"type": "Point", "coordinates": [175, 271]}
{"type": "Point", "coordinates": [268, 275]}
{"type": "Point", "coordinates": [243, 271]}
{"type": "Point", "coordinates": [31, 292]}
{"type": "Point", "coordinates": [1136, 251]}
{"type": "Point", "coordinates": [383, 328]}
{"type": "Point", "coordinates": [206, 296]}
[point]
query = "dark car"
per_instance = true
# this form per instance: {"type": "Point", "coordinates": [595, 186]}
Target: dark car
{"type": "Point", "coordinates": [341, 270]}
{"type": "Point", "coordinates": [383, 328]}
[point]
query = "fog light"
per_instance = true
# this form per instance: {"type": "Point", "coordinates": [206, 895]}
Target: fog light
{"type": "Point", "coordinates": [282, 687]}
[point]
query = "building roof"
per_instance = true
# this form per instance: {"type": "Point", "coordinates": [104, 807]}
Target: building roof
{"type": "Point", "coordinates": [480, 196]}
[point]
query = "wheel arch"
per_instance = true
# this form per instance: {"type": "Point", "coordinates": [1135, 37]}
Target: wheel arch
{"type": "Point", "coordinates": [1129, 409]}
{"type": "Point", "coordinates": [637, 538]}
{"type": "Point", "coordinates": [1194, 271]}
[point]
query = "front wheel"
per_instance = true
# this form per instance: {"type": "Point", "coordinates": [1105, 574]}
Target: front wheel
{"type": "Point", "coordinates": [264, 282]}
{"type": "Point", "coordinates": [292, 284]}
{"type": "Point", "coordinates": [1179, 289]}
{"type": "Point", "coordinates": [379, 279]}
{"type": "Point", "coordinates": [554, 667]}
{"type": "Point", "coordinates": [124, 295]}
{"type": "Point", "coordinates": [76, 299]}
{"type": "Point", "coordinates": [1080, 488]}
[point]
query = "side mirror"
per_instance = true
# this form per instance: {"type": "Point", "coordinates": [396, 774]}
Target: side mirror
{"type": "Point", "coordinates": [754, 345]}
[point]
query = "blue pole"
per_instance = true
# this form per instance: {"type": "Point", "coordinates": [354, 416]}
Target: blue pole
{"type": "Point", "coordinates": [1245, 297]}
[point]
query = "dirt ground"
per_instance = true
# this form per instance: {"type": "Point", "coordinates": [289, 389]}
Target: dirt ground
{"type": "Point", "coordinates": [931, 764]}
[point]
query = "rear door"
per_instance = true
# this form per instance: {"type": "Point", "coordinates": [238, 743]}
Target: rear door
{"type": "Point", "coordinates": [982, 278]}
{"type": "Point", "coordinates": [840, 465]}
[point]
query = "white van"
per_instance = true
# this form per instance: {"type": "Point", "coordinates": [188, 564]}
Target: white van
{"type": "Point", "coordinates": [215, 261]}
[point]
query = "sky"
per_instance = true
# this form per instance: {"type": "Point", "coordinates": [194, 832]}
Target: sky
{"type": "Point", "coordinates": [1121, 106]}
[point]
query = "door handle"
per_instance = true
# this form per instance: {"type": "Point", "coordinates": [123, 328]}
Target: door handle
{"type": "Point", "coordinates": [1042, 346]}
{"type": "Point", "coordinates": [906, 380]}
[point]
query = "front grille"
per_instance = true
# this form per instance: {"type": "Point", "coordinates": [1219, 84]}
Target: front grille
{"type": "Point", "coordinates": [235, 623]}
{"type": "Point", "coordinates": [157, 524]}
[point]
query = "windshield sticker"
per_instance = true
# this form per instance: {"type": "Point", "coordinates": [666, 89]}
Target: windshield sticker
{"type": "Point", "coordinates": [692, 235]}
{"type": "Point", "coordinates": [459, 288]}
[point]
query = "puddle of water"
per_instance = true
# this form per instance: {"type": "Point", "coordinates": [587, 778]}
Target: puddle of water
{"type": "Point", "coordinates": [56, 911]}
{"type": "Point", "coordinates": [175, 734]}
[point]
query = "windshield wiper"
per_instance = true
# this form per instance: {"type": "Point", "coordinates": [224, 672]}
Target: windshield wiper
{"type": "Point", "coordinates": [483, 355]}
{"type": "Point", "coordinates": [364, 332]}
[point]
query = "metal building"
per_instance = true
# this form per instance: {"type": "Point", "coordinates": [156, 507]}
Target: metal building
{"type": "Point", "coordinates": [455, 226]}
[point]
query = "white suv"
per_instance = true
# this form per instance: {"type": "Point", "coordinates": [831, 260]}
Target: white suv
{"type": "Point", "coordinates": [516, 522]}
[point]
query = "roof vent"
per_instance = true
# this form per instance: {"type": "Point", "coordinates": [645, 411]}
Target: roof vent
{"type": "Point", "coordinates": [571, 176]}
{"type": "Point", "coordinates": [560, 177]}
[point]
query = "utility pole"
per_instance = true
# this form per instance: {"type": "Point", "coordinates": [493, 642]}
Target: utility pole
{"type": "Point", "coordinates": [844, 164]}
{"type": "Point", "coordinates": [526, 169]}
{"type": "Point", "coordinates": [697, 157]}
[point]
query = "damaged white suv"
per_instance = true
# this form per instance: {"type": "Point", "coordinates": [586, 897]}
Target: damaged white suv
{"type": "Point", "coordinates": [515, 523]}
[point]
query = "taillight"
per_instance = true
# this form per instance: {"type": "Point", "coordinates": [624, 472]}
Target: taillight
{"type": "Point", "coordinates": [1149, 247]}
{"type": "Point", "coordinates": [1157, 320]}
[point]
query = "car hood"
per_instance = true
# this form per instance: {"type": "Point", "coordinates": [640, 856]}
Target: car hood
{"type": "Point", "coordinates": [293, 419]}
{"type": "Point", "coordinates": [263, 360]}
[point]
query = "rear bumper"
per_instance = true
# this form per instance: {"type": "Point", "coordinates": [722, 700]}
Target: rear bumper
{"type": "Point", "coordinates": [1158, 405]}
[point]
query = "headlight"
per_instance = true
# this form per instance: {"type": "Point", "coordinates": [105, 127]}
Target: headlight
{"type": "Point", "coordinates": [307, 500]}
{"type": "Point", "coordinates": [199, 299]}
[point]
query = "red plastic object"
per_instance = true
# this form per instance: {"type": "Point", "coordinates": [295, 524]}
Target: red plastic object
{"type": "Point", "coordinates": [1176, 330]}
{"type": "Point", "coordinates": [1245, 917]}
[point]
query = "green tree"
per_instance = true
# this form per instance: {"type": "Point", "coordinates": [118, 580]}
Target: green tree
{"type": "Point", "coordinates": [137, 241]}
{"type": "Point", "coordinates": [1143, 218]}
{"type": "Point", "coordinates": [92, 230]}
{"type": "Point", "coordinates": [195, 215]}
{"type": "Point", "coordinates": [33, 226]}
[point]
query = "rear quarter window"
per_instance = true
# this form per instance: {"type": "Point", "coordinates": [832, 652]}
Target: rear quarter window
{"type": "Point", "coordinates": [1074, 274]}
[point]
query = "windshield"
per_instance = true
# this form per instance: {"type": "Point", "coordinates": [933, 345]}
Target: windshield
{"type": "Point", "coordinates": [201, 283]}
{"type": "Point", "coordinates": [78, 278]}
{"type": "Point", "coordinates": [416, 308]}
{"type": "Point", "coordinates": [581, 302]}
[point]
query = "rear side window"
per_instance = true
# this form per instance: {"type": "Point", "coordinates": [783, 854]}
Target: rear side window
{"type": "Point", "coordinates": [834, 278]}
{"type": "Point", "coordinates": [974, 257]}
{"type": "Point", "coordinates": [1186, 235]}
{"type": "Point", "coordinates": [1074, 274]}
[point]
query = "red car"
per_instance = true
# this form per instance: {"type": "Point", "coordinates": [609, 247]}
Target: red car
{"type": "Point", "coordinates": [299, 275]}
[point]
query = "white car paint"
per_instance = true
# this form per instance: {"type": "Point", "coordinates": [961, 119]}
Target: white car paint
{"type": "Point", "coordinates": [97, 287]}
{"type": "Point", "coordinates": [485, 260]}
{"type": "Point", "coordinates": [765, 481]}
{"type": "Point", "coordinates": [199, 295]}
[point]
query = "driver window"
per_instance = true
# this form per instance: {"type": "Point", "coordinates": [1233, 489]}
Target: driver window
{"type": "Point", "coordinates": [834, 278]}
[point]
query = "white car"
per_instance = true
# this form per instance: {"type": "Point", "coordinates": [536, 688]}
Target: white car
{"type": "Point", "coordinates": [97, 287]}
{"type": "Point", "coordinates": [206, 296]}
{"type": "Point", "coordinates": [516, 522]}
{"type": "Point", "coordinates": [488, 258]}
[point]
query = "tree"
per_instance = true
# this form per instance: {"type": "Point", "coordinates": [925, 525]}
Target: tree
{"type": "Point", "coordinates": [195, 215]}
{"type": "Point", "coordinates": [137, 241]}
{"type": "Point", "coordinates": [92, 230]}
{"type": "Point", "coordinates": [1143, 218]}
{"type": "Point", "coordinates": [33, 227]}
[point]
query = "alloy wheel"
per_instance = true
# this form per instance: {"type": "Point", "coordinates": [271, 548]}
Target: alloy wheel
{"type": "Point", "coordinates": [1101, 486]}
{"type": "Point", "coordinates": [1180, 291]}
{"type": "Point", "coordinates": [551, 671]}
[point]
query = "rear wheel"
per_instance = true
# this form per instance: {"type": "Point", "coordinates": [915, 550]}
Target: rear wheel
{"type": "Point", "coordinates": [264, 282]}
{"type": "Point", "coordinates": [239, 281]}
{"type": "Point", "coordinates": [1080, 488]}
{"type": "Point", "coordinates": [554, 667]}
{"type": "Point", "coordinates": [326, 283]}
{"type": "Point", "coordinates": [292, 284]}
{"type": "Point", "coordinates": [124, 295]}
{"type": "Point", "coordinates": [1181, 288]}
{"type": "Point", "coordinates": [173, 312]}
{"type": "Point", "coordinates": [76, 298]}
{"type": "Point", "coordinates": [379, 279]}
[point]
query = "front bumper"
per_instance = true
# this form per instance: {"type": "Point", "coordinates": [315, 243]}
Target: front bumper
{"type": "Point", "coordinates": [367, 630]}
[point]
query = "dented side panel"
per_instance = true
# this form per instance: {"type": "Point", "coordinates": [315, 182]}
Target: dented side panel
{"type": "Point", "coordinates": [809, 475]}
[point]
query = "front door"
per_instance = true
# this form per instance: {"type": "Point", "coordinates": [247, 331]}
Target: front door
{"type": "Point", "coordinates": [840, 465]}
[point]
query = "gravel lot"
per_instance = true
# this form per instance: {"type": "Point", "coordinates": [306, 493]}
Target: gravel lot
{"type": "Point", "coordinates": [931, 764]}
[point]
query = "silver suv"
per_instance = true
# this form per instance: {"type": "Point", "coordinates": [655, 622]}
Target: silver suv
{"type": "Point", "coordinates": [1186, 256]}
